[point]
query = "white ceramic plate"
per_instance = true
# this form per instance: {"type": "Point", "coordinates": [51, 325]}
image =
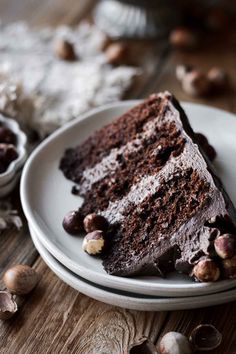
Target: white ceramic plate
{"type": "Point", "coordinates": [125, 299]}
{"type": "Point", "coordinates": [46, 197]}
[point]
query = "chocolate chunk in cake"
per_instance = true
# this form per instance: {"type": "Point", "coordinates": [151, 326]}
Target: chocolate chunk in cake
{"type": "Point", "coordinates": [147, 174]}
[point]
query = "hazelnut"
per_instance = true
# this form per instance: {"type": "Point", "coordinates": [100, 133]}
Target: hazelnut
{"type": "Point", "coordinates": [94, 222]}
{"type": "Point", "coordinates": [8, 306]}
{"type": "Point", "coordinates": [218, 79]}
{"type": "Point", "coordinates": [20, 279]}
{"type": "Point", "coordinates": [106, 42]}
{"type": "Point", "coordinates": [217, 20]}
{"type": "Point", "coordinates": [195, 83]}
{"type": "Point", "coordinates": [183, 38]}
{"type": "Point", "coordinates": [206, 270]}
{"type": "Point", "coordinates": [94, 242]}
{"type": "Point", "coordinates": [205, 337]}
{"type": "Point", "coordinates": [8, 154]}
{"type": "Point", "coordinates": [175, 343]}
{"type": "Point", "coordinates": [115, 53]}
{"type": "Point", "coordinates": [64, 50]}
{"type": "Point", "coordinates": [229, 268]}
{"type": "Point", "coordinates": [182, 70]}
{"type": "Point", "coordinates": [73, 222]}
{"type": "Point", "coordinates": [225, 246]}
{"type": "Point", "coordinates": [7, 136]}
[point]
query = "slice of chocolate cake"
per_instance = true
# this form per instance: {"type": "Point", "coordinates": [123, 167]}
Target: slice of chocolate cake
{"type": "Point", "coordinates": [147, 175]}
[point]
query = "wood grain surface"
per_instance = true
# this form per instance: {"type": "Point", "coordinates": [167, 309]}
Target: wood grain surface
{"type": "Point", "coordinates": [54, 318]}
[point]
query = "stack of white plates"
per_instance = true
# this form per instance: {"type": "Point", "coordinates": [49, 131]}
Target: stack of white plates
{"type": "Point", "coordinates": [46, 198]}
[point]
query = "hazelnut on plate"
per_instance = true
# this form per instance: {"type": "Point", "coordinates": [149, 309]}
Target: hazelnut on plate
{"type": "Point", "coordinates": [94, 222]}
{"type": "Point", "coordinates": [206, 270]}
{"type": "Point", "coordinates": [64, 49]}
{"type": "Point", "coordinates": [225, 246]}
{"type": "Point", "coordinates": [229, 268]}
{"type": "Point", "coordinates": [183, 38]}
{"type": "Point", "coordinates": [73, 222]}
{"type": "Point", "coordinates": [94, 242]}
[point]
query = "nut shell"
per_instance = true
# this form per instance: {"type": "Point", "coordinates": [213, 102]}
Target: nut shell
{"type": "Point", "coordinates": [20, 279]}
{"type": "Point", "coordinates": [175, 343]}
{"type": "Point", "coordinates": [205, 337]}
{"type": "Point", "coordinates": [206, 270]}
{"type": "Point", "coordinates": [94, 222]}
{"type": "Point", "coordinates": [225, 246]}
{"type": "Point", "coordinates": [8, 306]}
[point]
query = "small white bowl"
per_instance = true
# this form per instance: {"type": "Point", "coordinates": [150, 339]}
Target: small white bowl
{"type": "Point", "coordinates": [8, 188]}
{"type": "Point", "coordinates": [7, 176]}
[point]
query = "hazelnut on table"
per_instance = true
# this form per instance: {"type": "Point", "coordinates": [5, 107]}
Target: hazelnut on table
{"type": "Point", "coordinates": [20, 279]}
{"type": "Point", "coordinates": [175, 343]}
{"type": "Point", "coordinates": [218, 79]}
{"type": "Point", "coordinates": [196, 83]}
{"type": "Point", "coordinates": [183, 38]}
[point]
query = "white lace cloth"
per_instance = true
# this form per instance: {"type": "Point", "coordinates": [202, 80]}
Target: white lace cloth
{"type": "Point", "coordinates": [44, 92]}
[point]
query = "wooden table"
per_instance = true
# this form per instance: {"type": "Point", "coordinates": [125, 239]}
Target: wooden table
{"type": "Point", "coordinates": [54, 318]}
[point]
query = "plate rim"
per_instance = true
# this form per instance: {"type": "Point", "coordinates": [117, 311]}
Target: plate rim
{"type": "Point", "coordinates": [121, 283]}
{"type": "Point", "coordinates": [127, 301]}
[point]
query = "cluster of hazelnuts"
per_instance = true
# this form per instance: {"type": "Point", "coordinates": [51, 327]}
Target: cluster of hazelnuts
{"type": "Point", "coordinates": [204, 337]}
{"type": "Point", "coordinates": [115, 52]}
{"type": "Point", "coordinates": [196, 83]}
{"type": "Point", "coordinates": [207, 269]}
{"type": "Point", "coordinates": [8, 152]}
{"type": "Point", "coordinates": [95, 225]}
{"type": "Point", "coordinates": [18, 280]}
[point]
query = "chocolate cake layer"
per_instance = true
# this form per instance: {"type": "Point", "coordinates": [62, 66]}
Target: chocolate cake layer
{"type": "Point", "coordinates": [146, 174]}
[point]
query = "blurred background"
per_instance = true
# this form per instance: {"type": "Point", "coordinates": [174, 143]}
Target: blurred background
{"type": "Point", "coordinates": [113, 49]}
